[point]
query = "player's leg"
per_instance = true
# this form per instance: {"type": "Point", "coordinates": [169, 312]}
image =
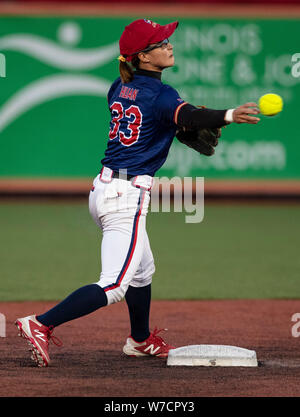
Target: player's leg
{"type": "Point", "coordinates": [122, 249]}
{"type": "Point", "coordinates": [138, 301]}
{"type": "Point", "coordinates": [38, 330]}
{"type": "Point", "coordinates": [138, 295]}
{"type": "Point", "coordinates": [134, 279]}
{"type": "Point", "coordinates": [121, 253]}
{"type": "Point", "coordinates": [141, 341]}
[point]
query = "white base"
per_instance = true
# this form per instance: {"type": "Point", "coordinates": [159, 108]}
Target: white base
{"type": "Point", "coordinates": [211, 355]}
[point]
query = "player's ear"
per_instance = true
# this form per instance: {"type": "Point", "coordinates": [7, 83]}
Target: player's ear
{"type": "Point", "coordinates": [143, 57]}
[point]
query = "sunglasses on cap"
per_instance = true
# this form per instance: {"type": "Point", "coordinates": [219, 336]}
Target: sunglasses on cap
{"type": "Point", "coordinates": [157, 45]}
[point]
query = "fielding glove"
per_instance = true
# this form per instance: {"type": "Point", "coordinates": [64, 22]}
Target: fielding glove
{"type": "Point", "coordinates": [203, 140]}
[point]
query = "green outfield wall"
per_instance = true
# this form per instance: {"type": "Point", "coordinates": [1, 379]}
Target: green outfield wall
{"type": "Point", "coordinates": [53, 109]}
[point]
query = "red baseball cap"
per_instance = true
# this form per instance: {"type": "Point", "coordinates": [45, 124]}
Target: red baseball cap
{"type": "Point", "coordinates": [141, 33]}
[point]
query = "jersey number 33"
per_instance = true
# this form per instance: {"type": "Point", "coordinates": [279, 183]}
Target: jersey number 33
{"type": "Point", "coordinates": [125, 123]}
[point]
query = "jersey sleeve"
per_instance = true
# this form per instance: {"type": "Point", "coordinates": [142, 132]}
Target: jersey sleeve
{"type": "Point", "coordinates": [167, 105]}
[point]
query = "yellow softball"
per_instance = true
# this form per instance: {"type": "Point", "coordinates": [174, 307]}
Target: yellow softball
{"type": "Point", "coordinates": [270, 104]}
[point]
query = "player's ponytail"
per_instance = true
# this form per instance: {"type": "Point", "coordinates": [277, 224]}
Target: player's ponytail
{"type": "Point", "coordinates": [126, 70]}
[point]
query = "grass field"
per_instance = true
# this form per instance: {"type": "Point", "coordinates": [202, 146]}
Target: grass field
{"type": "Point", "coordinates": [238, 251]}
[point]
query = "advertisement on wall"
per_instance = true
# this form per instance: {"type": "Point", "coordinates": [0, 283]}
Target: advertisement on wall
{"type": "Point", "coordinates": [55, 73]}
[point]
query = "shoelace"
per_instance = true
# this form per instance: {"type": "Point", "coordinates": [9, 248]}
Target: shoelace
{"type": "Point", "coordinates": [155, 333]}
{"type": "Point", "coordinates": [54, 339]}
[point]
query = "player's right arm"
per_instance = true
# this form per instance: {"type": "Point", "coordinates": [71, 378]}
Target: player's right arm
{"type": "Point", "coordinates": [195, 118]}
{"type": "Point", "coordinates": [169, 107]}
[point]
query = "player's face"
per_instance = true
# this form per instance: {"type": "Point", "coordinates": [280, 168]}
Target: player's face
{"type": "Point", "coordinates": [158, 58]}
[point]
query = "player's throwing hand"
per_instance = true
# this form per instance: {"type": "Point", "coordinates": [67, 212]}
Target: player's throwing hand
{"type": "Point", "coordinates": [246, 114]}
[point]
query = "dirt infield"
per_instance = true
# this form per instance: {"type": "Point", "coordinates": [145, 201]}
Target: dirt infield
{"type": "Point", "coordinates": [91, 363]}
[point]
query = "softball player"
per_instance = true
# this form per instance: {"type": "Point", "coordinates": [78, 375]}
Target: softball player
{"type": "Point", "coordinates": [145, 114]}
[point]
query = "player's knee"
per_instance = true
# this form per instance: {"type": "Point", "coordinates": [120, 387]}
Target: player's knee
{"type": "Point", "coordinates": [115, 293]}
{"type": "Point", "coordinates": [138, 284]}
{"type": "Point", "coordinates": [143, 280]}
{"type": "Point", "coordinates": [152, 269]}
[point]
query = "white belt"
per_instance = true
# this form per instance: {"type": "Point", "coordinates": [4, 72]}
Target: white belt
{"type": "Point", "coordinates": [139, 181]}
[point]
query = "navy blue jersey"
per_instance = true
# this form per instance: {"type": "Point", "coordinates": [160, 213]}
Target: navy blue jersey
{"type": "Point", "coordinates": [142, 126]}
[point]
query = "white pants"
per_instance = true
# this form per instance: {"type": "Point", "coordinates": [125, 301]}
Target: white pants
{"type": "Point", "coordinates": [119, 207]}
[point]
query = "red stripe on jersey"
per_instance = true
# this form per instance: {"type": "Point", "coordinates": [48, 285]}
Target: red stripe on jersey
{"type": "Point", "coordinates": [177, 111]}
